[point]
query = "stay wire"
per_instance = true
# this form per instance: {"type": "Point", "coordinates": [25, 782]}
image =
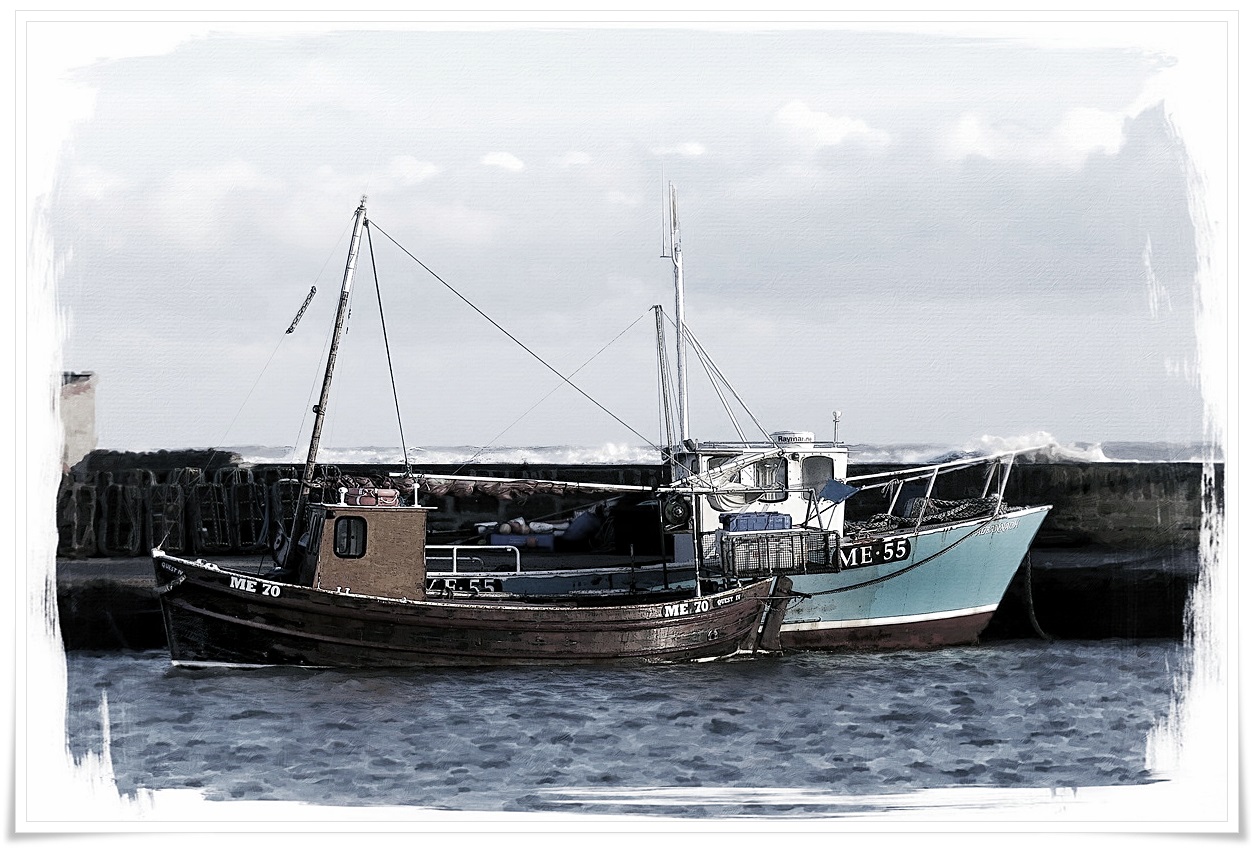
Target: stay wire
{"type": "Point", "coordinates": [709, 365]}
{"type": "Point", "coordinates": [697, 346]}
{"type": "Point", "coordinates": [516, 340]}
{"type": "Point", "coordinates": [249, 395]}
{"type": "Point", "coordinates": [544, 398]}
{"type": "Point", "coordinates": [387, 349]}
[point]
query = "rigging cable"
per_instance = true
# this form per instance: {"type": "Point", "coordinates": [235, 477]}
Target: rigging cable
{"type": "Point", "coordinates": [701, 351]}
{"type": "Point", "coordinates": [516, 340]}
{"type": "Point", "coordinates": [704, 358]}
{"type": "Point", "coordinates": [709, 365]}
{"type": "Point", "coordinates": [327, 342]}
{"type": "Point", "coordinates": [507, 428]}
{"type": "Point", "coordinates": [664, 383]}
{"type": "Point", "coordinates": [262, 373]}
{"type": "Point", "coordinates": [387, 349]}
{"type": "Point", "coordinates": [291, 327]}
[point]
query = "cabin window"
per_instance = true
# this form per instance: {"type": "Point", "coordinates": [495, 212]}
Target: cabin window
{"type": "Point", "coordinates": [350, 537]}
{"type": "Point", "coordinates": [816, 472]}
{"type": "Point", "coordinates": [768, 481]}
{"type": "Point", "coordinates": [772, 475]}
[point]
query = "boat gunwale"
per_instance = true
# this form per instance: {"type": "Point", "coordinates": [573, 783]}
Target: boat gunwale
{"type": "Point", "coordinates": [456, 604]}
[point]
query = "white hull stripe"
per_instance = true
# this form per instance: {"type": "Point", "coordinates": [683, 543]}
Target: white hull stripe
{"type": "Point", "coordinates": [886, 620]}
{"type": "Point", "coordinates": [226, 664]}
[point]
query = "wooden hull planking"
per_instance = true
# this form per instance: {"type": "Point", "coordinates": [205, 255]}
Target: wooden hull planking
{"type": "Point", "coordinates": [216, 617]}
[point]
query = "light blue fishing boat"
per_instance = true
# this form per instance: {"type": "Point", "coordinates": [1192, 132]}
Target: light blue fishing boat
{"type": "Point", "coordinates": [925, 571]}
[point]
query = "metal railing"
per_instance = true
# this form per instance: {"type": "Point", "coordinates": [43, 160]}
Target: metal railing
{"type": "Point", "coordinates": [473, 556]}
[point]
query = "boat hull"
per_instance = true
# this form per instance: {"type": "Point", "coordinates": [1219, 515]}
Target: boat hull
{"type": "Point", "coordinates": [944, 594]}
{"type": "Point", "coordinates": [215, 617]}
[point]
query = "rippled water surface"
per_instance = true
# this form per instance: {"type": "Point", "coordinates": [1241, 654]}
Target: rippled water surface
{"type": "Point", "coordinates": [1005, 715]}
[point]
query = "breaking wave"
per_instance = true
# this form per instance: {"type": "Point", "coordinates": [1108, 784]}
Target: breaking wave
{"type": "Point", "coordinates": [1048, 450]}
{"type": "Point", "coordinates": [612, 453]}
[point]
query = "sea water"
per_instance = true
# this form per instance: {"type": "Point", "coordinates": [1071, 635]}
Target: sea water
{"type": "Point", "coordinates": [803, 735]}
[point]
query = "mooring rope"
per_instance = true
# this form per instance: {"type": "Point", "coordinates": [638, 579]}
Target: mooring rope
{"type": "Point", "coordinates": [1028, 597]}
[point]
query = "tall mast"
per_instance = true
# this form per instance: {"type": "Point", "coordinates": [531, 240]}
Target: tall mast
{"type": "Point", "coordinates": [342, 312]}
{"type": "Point", "coordinates": [681, 358]}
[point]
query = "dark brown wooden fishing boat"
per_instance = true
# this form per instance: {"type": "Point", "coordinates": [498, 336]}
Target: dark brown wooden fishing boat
{"type": "Point", "coordinates": [352, 593]}
{"type": "Point", "coordinates": [365, 606]}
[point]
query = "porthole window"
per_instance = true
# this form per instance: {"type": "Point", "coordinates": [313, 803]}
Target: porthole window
{"type": "Point", "coordinates": [350, 536]}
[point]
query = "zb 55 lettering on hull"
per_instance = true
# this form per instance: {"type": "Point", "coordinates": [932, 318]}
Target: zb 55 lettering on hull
{"type": "Point", "coordinates": [853, 555]}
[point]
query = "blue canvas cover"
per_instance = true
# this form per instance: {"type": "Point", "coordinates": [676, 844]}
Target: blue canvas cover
{"type": "Point", "coordinates": [837, 491]}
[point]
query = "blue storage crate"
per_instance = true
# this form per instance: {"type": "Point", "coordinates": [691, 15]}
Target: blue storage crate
{"type": "Point", "coordinates": [756, 521]}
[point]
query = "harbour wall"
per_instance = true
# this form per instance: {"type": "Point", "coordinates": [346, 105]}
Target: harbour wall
{"type": "Point", "coordinates": [210, 503]}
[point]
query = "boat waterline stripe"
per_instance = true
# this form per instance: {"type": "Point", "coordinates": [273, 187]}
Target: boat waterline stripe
{"type": "Point", "coordinates": [225, 664]}
{"type": "Point", "coordinates": [886, 620]}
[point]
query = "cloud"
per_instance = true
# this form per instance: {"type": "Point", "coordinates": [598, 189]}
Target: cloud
{"type": "Point", "coordinates": [819, 129]}
{"type": "Point", "coordinates": [501, 159]}
{"type": "Point", "coordinates": [195, 203]}
{"type": "Point", "coordinates": [410, 171]}
{"type": "Point", "coordinates": [574, 157]}
{"type": "Point", "coordinates": [1079, 133]}
{"type": "Point", "coordinates": [686, 149]}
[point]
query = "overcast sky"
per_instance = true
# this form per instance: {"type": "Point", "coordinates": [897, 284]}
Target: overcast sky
{"type": "Point", "coordinates": [944, 236]}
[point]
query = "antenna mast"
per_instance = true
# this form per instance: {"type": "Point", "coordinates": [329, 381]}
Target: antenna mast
{"type": "Point", "coordinates": [681, 360]}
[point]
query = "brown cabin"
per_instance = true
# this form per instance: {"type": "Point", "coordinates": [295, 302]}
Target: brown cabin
{"type": "Point", "coordinates": [377, 551]}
